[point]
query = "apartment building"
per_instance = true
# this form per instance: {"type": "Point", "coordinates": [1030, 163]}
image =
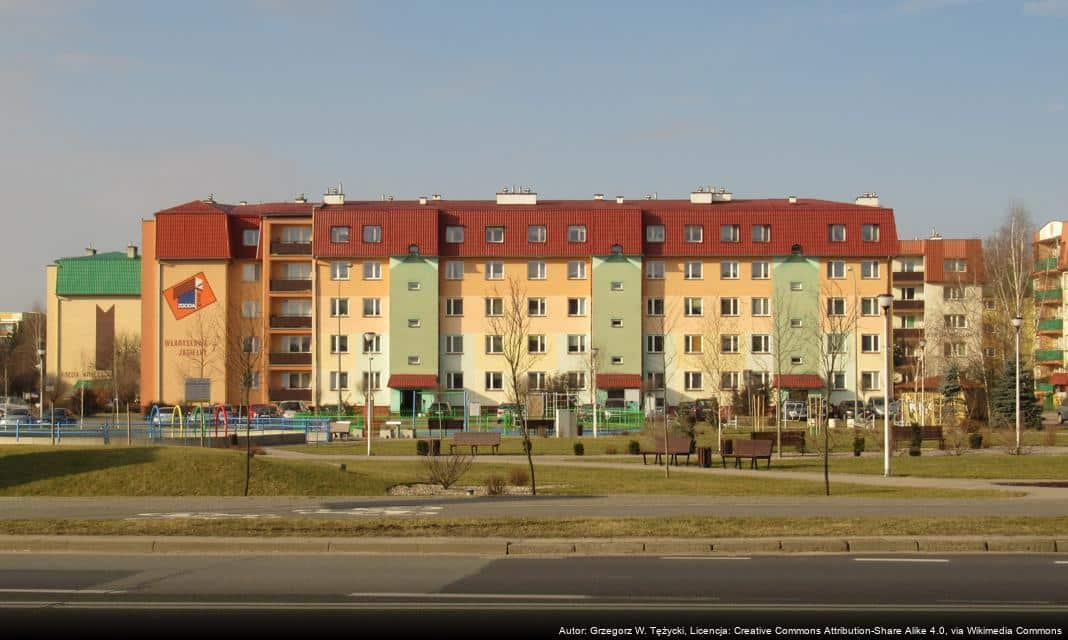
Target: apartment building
{"type": "Point", "coordinates": [1050, 277]}
{"type": "Point", "coordinates": [650, 300]}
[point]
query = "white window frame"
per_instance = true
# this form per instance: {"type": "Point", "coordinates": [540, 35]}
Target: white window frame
{"type": "Point", "coordinates": [693, 343]}
{"type": "Point", "coordinates": [580, 307]}
{"type": "Point", "coordinates": [339, 341]}
{"type": "Point", "coordinates": [651, 305]}
{"type": "Point", "coordinates": [255, 270]}
{"type": "Point", "coordinates": [870, 343]}
{"type": "Point", "coordinates": [576, 270]}
{"type": "Point", "coordinates": [454, 269]}
{"type": "Point", "coordinates": [494, 381]}
{"type": "Point", "coordinates": [336, 305]}
{"type": "Point", "coordinates": [836, 307]}
{"type": "Point", "coordinates": [693, 270]}
{"type": "Point", "coordinates": [836, 233]}
{"type": "Point", "coordinates": [764, 234]}
{"type": "Point", "coordinates": [494, 270]}
{"type": "Point", "coordinates": [340, 270]}
{"type": "Point", "coordinates": [576, 233]}
{"type": "Point", "coordinates": [376, 307]}
{"type": "Point", "coordinates": [454, 234]}
{"type": "Point", "coordinates": [654, 270]}
{"type": "Point", "coordinates": [539, 341]}
{"type": "Point", "coordinates": [344, 378]}
{"type": "Point", "coordinates": [250, 237]}
{"type": "Point", "coordinates": [655, 233]}
{"type": "Point", "coordinates": [536, 270]}
{"type": "Point", "coordinates": [537, 234]}
{"type": "Point", "coordinates": [730, 233]}
{"type": "Point", "coordinates": [451, 310]}
{"type": "Point", "coordinates": [454, 344]}
{"type": "Point", "coordinates": [729, 343]}
{"type": "Point", "coordinates": [693, 234]}
{"type": "Point", "coordinates": [694, 307]}
{"type": "Point", "coordinates": [869, 269]}
{"type": "Point", "coordinates": [494, 234]}
{"type": "Point", "coordinates": [764, 271]}
{"type": "Point", "coordinates": [760, 343]}
{"type": "Point", "coordinates": [491, 305]}
{"type": "Point", "coordinates": [576, 343]}
{"type": "Point", "coordinates": [494, 344]}
{"type": "Point", "coordinates": [454, 380]}
{"type": "Point", "coordinates": [372, 270]}
{"type": "Point", "coordinates": [654, 343]}
{"type": "Point", "coordinates": [340, 234]}
{"type": "Point", "coordinates": [869, 233]}
{"type": "Point", "coordinates": [732, 305]}
{"type": "Point", "coordinates": [537, 307]}
{"type": "Point", "coordinates": [729, 270]}
{"type": "Point", "coordinates": [836, 269]}
{"type": "Point", "coordinates": [761, 307]}
{"type": "Point", "coordinates": [372, 234]}
{"type": "Point", "coordinates": [694, 381]}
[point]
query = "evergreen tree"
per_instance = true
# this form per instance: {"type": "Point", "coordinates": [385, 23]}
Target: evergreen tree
{"type": "Point", "coordinates": [1005, 398]}
{"type": "Point", "coordinates": [953, 403]}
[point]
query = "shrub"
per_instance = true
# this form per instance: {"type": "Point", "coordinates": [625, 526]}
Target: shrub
{"type": "Point", "coordinates": [494, 485]}
{"type": "Point", "coordinates": [579, 449]}
{"type": "Point", "coordinates": [518, 477]}
{"type": "Point", "coordinates": [447, 469]}
{"type": "Point", "coordinates": [610, 450]}
{"type": "Point", "coordinates": [634, 447]}
{"type": "Point", "coordinates": [956, 440]}
{"type": "Point", "coordinates": [422, 447]}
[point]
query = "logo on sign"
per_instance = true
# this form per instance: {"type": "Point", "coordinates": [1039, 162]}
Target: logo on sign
{"type": "Point", "coordinates": [189, 296]}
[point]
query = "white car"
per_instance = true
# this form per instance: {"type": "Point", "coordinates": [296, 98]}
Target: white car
{"type": "Point", "coordinates": [165, 417]}
{"type": "Point", "coordinates": [290, 408]}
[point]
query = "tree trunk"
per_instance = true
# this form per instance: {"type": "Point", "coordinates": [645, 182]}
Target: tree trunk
{"type": "Point", "coordinates": [527, 445]}
{"type": "Point", "coordinates": [248, 442]}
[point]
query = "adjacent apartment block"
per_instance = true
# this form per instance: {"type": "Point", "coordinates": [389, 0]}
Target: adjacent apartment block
{"type": "Point", "coordinates": [1050, 251]}
{"type": "Point", "coordinates": [650, 301]}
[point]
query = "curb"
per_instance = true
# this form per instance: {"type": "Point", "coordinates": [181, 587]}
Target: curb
{"type": "Point", "coordinates": [532, 547]}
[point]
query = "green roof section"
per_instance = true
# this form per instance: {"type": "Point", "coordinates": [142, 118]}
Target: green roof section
{"type": "Point", "coordinates": [103, 274]}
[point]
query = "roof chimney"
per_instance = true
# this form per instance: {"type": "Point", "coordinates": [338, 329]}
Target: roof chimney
{"type": "Point", "coordinates": [517, 195]}
{"type": "Point", "coordinates": [334, 195]}
{"type": "Point", "coordinates": [792, 199]}
{"type": "Point", "coordinates": [703, 195]}
{"type": "Point", "coordinates": [619, 199]}
{"type": "Point", "coordinates": [868, 199]}
{"type": "Point", "coordinates": [598, 196]}
{"type": "Point", "coordinates": [131, 251]}
{"type": "Point", "coordinates": [301, 199]}
{"type": "Point", "coordinates": [935, 235]}
{"type": "Point", "coordinates": [90, 251]}
{"type": "Point", "coordinates": [422, 200]}
{"type": "Point", "coordinates": [436, 197]}
{"type": "Point", "coordinates": [243, 203]}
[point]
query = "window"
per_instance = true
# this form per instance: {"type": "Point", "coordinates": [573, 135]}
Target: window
{"type": "Point", "coordinates": [296, 235]}
{"type": "Point", "coordinates": [296, 308]}
{"type": "Point", "coordinates": [576, 343]}
{"type": "Point", "coordinates": [956, 321]}
{"type": "Point", "coordinates": [296, 344]}
{"type": "Point", "coordinates": [250, 309]}
{"type": "Point", "coordinates": [869, 306]}
{"type": "Point", "coordinates": [494, 306]}
{"type": "Point", "coordinates": [695, 307]}
{"type": "Point", "coordinates": [836, 306]}
{"type": "Point", "coordinates": [762, 233]}
{"type": "Point", "coordinates": [796, 361]}
{"type": "Point", "coordinates": [692, 344]}
{"type": "Point", "coordinates": [761, 307]}
{"type": "Point", "coordinates": [250, 237]}
{"type": "Point", "coordinates": [339, 307]}
{"type": "Point", "coordinates": [494, 344]}
{"type": "Point", "coordinates": [797, 286]}
{"type": "Point", "coordinates": [375, 382]}
{"type": "Point", "coordinates": [955, 349]}
{"type": "Point", "coordinates": [576, 306]}
{"type": "Point", "coordinates": [372, 270]}
{"type": "Point", "coordinates": [576, 233]}
{"type": "Point", "coordinates": [536, 270]}
{"type": "Point", "coordinates": [728, 270]}
{"type": "Point", "coordinates": [909, 322]}
{"type": "Point", "coordinates": [374, 345]}
{"type": "Point", "coordinates": [339, 270]}
{"type": "Point", "coordinates": [339, 344]}
{"type": "Point", "coordinates": [296, 381]}
{"type": "Point", "coordinates": [730, 233]}
{"type": "Point", "coordinates": [454, 234]}
{"type": "Point", "coordinates": [339, 380]}
{"type": "Point", "coordinates": [414, 323]}
{"type": "Point", "coordinates": [953, 293]}
{"type": "Point", "coordinates": [989, 305]}
{"type": "Point", "coordinates": [838, 380]}
{"type": "Point", "coordinates": [693, 271]}
{"type": "Point", "coordinates": [654, 380]}
{"type": "Point", "coordinates": [869, 269]}
{"type": "Point", "coordinates": [454, 306]}
{"type": "Point", "coordinates": [836, 233]}
{"type": "Point", "coordinates": [654, 233]}
{"type": "Point", "coordinates": [728, 307]}
{"type": "Point", "coordinates": [494, 381]}
{"type": "Point", "coordinates": [372, 307]}
{"type": "Point", "coordinates": [296, 271]}
{"type": "Point", "coordinates": [454, 380]}
{"type": "Point", "coordinates": [494, 270]}
{"type": "Point", "coordinates": [536, 380]}
{"type": "Point", "coordinates": [693, 233]}
{"type": "Point", "coordinates": [761, 270]}
{"type": "Point", "coordinates": [617, 360]}
{"type": "Point", "coordinates": [836, 343]}
{"type": "Point", "coordinates": [454, 344]}
{"type": "Point", "coordinates": [869, 343]}
{"type": "Point", "coordinates": [654, 270]}
{"type": "Point", "coordinates": [576, 380]}
{"type": "Point", "coordinates": [836, 269]}
{"type": "Point", "coordinates": [760, 379]}
{"type": "Point", "coordinates": [990, 352]}
{"type": "Point", "coordinates": [576, 270]}
{"type": "Point", "coordinates": [617, 323]}
{"type": "Point", "coordinates": [372, 233]}
{"type": "Point", "coordinates": [415, 286]}
{"type": "Point", "coordinates": [796, 323]}
{"type": "Point", "coordinates": [730, 380]}
{"type": "Point", "coordinates": [536, 233]}
{"type": "Point", "coordinates": [870, 380]}
{"type": "Point", "coordinates": [536, 344]}
{"type": "Point", "coordinates": [654, 343]}
{"type": "Point", "coordinates": [250, 272]}
{"type": "Point", "coordinates": [250, 344]}
{"type": "Point", "coordinates": [654, 306]}
{"type": "Point", "coordinates": [617, 286]}
{"type": "Point", "coordinates": [495, 235]}
{"type": "Point", "coordinates": [761, 343]}
{"type": "Point", "coordinates": [454, 270]}
{"type": "Point", "coordinates": [955, 266]}
{"type": "Point", "coordinates": [339, 235]}
{"type": "Point", "coordinates": [728, 343]}
{"type": "Point", "coordinates": [536, 306]}
{"type": "Point", "coordinates": [694, 381]}
{"type": "Point", "coordinates": [908, 293]}
{"type": "Point", "coordinates": [869, 232]}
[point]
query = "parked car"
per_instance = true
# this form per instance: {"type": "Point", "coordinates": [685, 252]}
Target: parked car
{"type": "Point", "coordinates": [845, 409]}
{"type": "Point", "coordinates": [60, 415]}
{"type": "Point", "coordinates": [1062, 411]}
{"type": "Point", "coordinates": [875, 408]}
{"type": "Point", "coordinates": [290, 408]}
{"type": "Point", "coordinates": [265, 411]}
{"type": "Point", "coordinates": [15, 416]}
{"type": "Point", "coordinates": [165, 417]}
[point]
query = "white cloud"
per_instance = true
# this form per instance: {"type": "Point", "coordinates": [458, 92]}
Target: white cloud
{"type": "Point", "coordinates": [1048, 8]}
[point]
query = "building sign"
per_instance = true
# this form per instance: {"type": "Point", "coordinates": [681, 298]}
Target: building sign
{"type": "Point", "coordinates": [189, 296]}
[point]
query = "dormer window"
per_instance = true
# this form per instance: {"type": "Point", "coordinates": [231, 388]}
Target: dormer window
{"type": "Point", "coordinates": [495, 235]}
{"type": "Point", "coordinates": [339, 235]}
{"type": "Point", "coordinates": [576, 233]}
{"type": "Point", "coordinates": [836, 233]}
{"type": "Point", "coordinates": [372, 233]}
{"type": "Point", "coordinates": [693, 233]}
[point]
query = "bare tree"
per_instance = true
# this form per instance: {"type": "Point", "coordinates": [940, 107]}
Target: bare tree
{"type": "Point", "coordinates": [837, 320]}
{"type": "Point", "coordinates": [206, 333]}
{"type": "Point", "coordinates": [513, 328]}
{"type": "Point", "coordinates": [720, 350]}
{"type": "Point", "coordinates": [244, 357]}
{"type": "Point", "coordinates": [662, 324]}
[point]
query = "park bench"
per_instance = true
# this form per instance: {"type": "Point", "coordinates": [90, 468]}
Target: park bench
{"type": "Point", "coordinates": [475, 439]}
{"type": "Point", "coordinates": [789, 438]}
{"type": "Point", "coordinates": [752, 449]}
{"type": "Point", "coordinates": [903, 435]}
{"type": "Point", "coordinates": [676, 446]}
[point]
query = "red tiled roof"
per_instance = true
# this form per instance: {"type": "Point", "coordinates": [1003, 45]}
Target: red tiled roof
{"type": "Point", "coordinates": [797, 381]}
{"type": "Point", "coordinates": [413, 381]}
{"type": "Point", "coordinates": [619, 380]}
{"type": "Point", "coordinates": [1059, 379]}
{"type": "Point", "coordinates": [193, 230]}
{"type": "Point", "coordinates": [402, 226]}
{"type": "Point", "coordinates": [936, 252]}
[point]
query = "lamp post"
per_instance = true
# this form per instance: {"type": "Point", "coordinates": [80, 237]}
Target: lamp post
{"type": "Point", "coordinates": [593, 368]}
{"type": "Point", "coordinates": [923, 382]}
{"type": "Point", "coordinates": [885, 301]}
{"type": "Point", "coordinates": [856, 350]}
{"type": "Point", "coordinates": [41, 390]}
{"type": "Point", "coordinates": [369, 343]}
{"type": "Point", "coordinates": [1016, 322]}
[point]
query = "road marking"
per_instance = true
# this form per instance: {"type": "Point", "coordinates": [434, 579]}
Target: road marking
{"type": "Point", "coordinates": [373, 512]}
{"type": "Point", "coordinates": [705, 558]}
{"type": "Point", "coordinates": [481, 596]}
{"type": "Point", "coordinates": [201, 515]}
{"type": "Point", "coordinates": [1005, 602]}
{"type": "Point", "coordinates": [88, 591]}
{"type": "Point", "coordinates": [900, 560]}
{"type": "Point", "coordinates": [1060, 562]}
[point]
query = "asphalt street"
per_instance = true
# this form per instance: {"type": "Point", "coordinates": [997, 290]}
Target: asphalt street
{"type": "Point", "coordinates": [42, 591]}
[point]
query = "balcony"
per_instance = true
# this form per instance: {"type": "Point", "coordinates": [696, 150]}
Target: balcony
{"type": "Point", "coordinates": [291, 322]}
{"type": "Point", "coordinates": [291, 358]}
{"type": "Point", "coordinates": [908, 334]}
{"type": "Point", "coordinates": [1051, 325]}
{"type": "Point", "coordinates": [908, 276]}
{"type": "Point", "coordinates": [1046, 264]}
{"type": "Point", "coordinates": [1049, 356]}
{"type": "Point", "coordinates": [291, 248]}
{"type": "Point", "coordinates": [290, 286]}
{"type": "Point", "coordinates": [291, 394]}
{"type": "Point", "coordinates": [907, 305]}
{"type": "Point", "coordinates": [1049, 296]}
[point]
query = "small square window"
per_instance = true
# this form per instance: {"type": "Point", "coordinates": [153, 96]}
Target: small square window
{"type": "Point", "coordinates": [796, 323]}
{"type": "Point", "coordinates": [654, 270]}
{"type": "Point", "coordinates": [617, 359]}
{"type": "Point", "coordinates": [617, 286]}
{"type": "Point", "coordinates": [536, 270]}
{"type": "Point", "coordinates": [372, 233]}
{"type": "Point", "coordinates": [250, 237]}
{"type": "Point", "coordinates": [693, 233]}
{"type": "Point", "coordinates": [536, 233]}
{"type": "Point", "coordinates": [869, 233]}
{"type": "Point", "coordinates": [414, 323]}
{"type": "Point", "coordinates": [454, 270]}
{"type": "Point", "coordinates": [372, 271]}
{"type": "Point", "coordinates": [796, 360]}
{"type": "Point", "coordinates": [797, 286]}
{"type": "Point", "coordinates": [494, 270]}
{"type": "Point", "coordinates": [836, 232]}
{"type": "Point", "coordinates": [495, 235]}
{"type": "Point", "coordinates": [415, 286]}
{"type": "Point", "coordinates": [413, 360]}
{"type": "Point", "coordinates": [339, 235]}
{"type": "Point", "coordinates": [728, 270]}
{"type": "Point", "coordinates": [654, 233]}
{"type": "Point", "coordinates": [617, 323]}
{"type": "Point", "coordinates": [730, 233]}
{"type": "Point", "coordinates": [454, 234]}
{"type": "Point", "coordinates": [576, 233]}
{"type": "Point", "coordinates": [762, 233]}
{"type": "Point", "coordinates": [576, 270]}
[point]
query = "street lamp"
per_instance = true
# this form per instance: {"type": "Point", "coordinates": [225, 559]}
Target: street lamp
{"type": "Point", "coordinates": [1016, 322]}
{"type": "Point", "coordinates": [593, 367]}
{"type": "Point", "coordinates": [368, 346]}
{"type": "Point", "coordinates": [885, 300]}
{"type": "Point", "coordinates": [856, 349]}
{"type": "Point", "coordinates": [923, 382]}
{"type": "Point", "coordinates": [40, 367]}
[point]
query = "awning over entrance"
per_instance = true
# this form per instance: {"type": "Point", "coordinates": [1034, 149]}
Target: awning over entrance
{"type": "Point", "coordinates": [413, 381]}
{"type": "Point", "coordinates": [619, 381]}
{"type": "Point", "coordinates": [1059, 379]}
{"type": "Point", "coordinates": [797, 381]}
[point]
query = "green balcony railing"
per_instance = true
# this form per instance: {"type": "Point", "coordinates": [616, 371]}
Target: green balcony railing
{"type": "Point", "coordinates": [1045, 264]}
{"type": "Point", "coordinates": [1048, 294]}
{"type": "Point", "coordinates": [1049, 355]}
{"type": "Point", "coordinates": [1052, 324]}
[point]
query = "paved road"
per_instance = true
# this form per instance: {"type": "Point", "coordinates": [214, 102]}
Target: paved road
{"type": "Point", "coordinates": [538, 594]}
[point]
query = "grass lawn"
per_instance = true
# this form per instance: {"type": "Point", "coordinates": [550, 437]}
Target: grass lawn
{"type": "Point", "coordinates": [986, 466]}
{"type": "Point", "coordinates": [175, 471]}
{"type": "Point", "coordinates": [676, 527]}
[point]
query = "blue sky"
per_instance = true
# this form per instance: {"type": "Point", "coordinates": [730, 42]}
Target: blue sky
{"type": "Point", "coordinates": [949, 109]}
